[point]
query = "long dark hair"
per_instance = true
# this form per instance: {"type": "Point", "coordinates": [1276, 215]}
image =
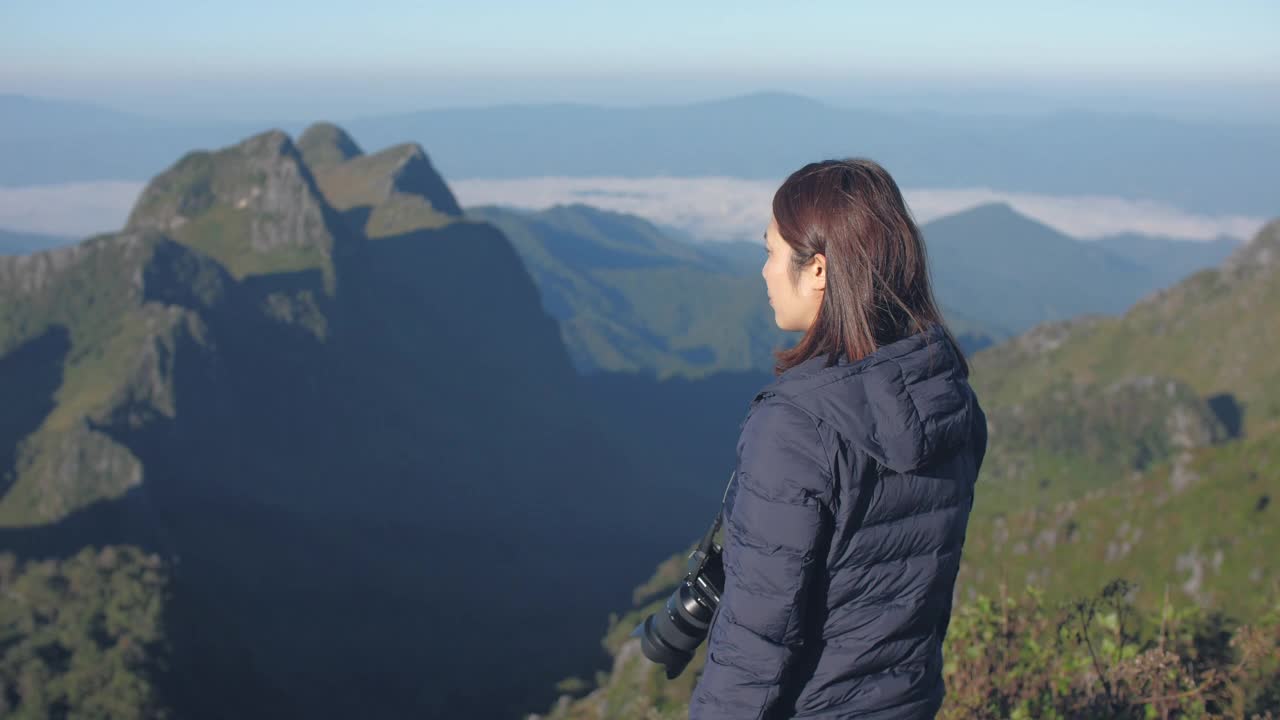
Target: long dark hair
{"type": "Point", "coordinates": [877, 287]}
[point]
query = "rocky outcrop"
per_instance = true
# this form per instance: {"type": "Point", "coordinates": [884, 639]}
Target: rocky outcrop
{"type": "Point", "coordinates": [253, 207]}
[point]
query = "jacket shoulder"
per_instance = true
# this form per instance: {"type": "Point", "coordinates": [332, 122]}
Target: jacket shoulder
{"type": "Point", "coordinates": [779, 437]}
{"type": "Point", "coordinates": [771, 412]}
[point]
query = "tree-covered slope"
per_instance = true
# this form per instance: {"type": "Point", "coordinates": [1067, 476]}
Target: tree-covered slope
{"type": "Point", "coordinates": [83, 636]}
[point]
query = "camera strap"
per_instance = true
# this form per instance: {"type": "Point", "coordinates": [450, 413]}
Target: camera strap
{"type": "Point", "coordinates": [705, 545]}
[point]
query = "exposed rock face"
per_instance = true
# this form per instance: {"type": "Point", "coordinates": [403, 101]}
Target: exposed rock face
{"type": "Point", "coordinates": [254, 207]}
{"type": "Point", "coordinates": [25, 277]}
{"type": "Point", "coordinates": [104, 321]}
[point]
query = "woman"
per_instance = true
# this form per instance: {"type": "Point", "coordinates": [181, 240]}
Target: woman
{"type": "Point", "coordinates": [856, 470]}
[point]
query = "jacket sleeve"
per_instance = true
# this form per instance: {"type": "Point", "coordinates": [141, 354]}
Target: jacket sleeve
{"type": "Point", "coordinates": [773, 528]}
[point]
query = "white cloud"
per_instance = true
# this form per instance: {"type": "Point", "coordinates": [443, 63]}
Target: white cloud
{"type": "Point", "coordinates": [711, 208]}
{"type": "Point", "coordinates": [71, 209]}
{"type": "Point", "coordinates": [722, 208]}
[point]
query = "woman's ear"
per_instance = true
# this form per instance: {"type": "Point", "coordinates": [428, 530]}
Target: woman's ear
{"type": "Point", "coordinates": [818, 272]}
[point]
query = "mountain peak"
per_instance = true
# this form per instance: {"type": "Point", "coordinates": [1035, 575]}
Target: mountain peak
{"type": "Point", "coordinates": [995, 210]}
{"type": "Point", "coordinates": [993, 220]}
{"type": "Point", "coordinates": [323, 144]}
{"type": "Point", "coordinates": [253, 206]}
{"type": "Point", "coordinates": [270, 145]}
{"type": "Point", "coordinates": [390, 192]}
{"type": "Point", "coordinates": [414, 175]}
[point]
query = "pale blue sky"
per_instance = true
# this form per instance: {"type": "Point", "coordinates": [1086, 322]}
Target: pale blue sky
{"type": "Point", "coordinates": [276, 56]}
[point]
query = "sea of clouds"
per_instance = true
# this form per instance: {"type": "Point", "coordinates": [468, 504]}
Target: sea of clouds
{"type": "Point", "coordinates": [709, 208]}
{"type": "Point", "coordinates": [71, 209]}
{"type": "Point", "coordinates": [722, 208]}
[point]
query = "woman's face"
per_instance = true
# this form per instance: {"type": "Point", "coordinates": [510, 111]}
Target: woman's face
{"type": "Point", "coordinates": [794, 306]}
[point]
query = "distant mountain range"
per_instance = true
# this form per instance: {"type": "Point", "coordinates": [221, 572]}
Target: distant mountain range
{"type": "Point", "coordinates": [1201, 168]}
{"type": "Point", "coordinates": [1168, 260]}
{"type": "Point", "coordinates": [631, 296]}
{"type": "Point", "coordinates": [1014, 273]}
{"type": "Point", "coordinates": [628, 297]}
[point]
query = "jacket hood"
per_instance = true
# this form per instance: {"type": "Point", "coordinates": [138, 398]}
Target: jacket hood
{"type": "Point", "coordinates": [904, 404]}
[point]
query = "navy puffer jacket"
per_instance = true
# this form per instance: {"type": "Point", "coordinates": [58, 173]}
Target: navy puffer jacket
{"type": "Point", "coordinates": [843, 528]}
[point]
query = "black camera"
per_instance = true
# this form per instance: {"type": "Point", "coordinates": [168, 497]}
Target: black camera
{"type": "Point", "coordinates": [670, 636]}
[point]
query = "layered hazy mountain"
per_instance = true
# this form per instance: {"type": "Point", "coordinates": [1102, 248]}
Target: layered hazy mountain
{"type": "Point", "coordinates": [629, 297]}
{"type": "Point", "coordinates": [767, 135]}
{"type": "Point", "coordinates": [337, 452]}
{"type": "Point", "coordinates": [763, 135]}
{"type": "Point", "coordinates": [632, 296]}
{"type": "Point", "coordinates": [1014, 273]}
{"type": "Point", "coordinates": [1144, 447]}
{"type": "Point", "coordinates": [1170, 260]}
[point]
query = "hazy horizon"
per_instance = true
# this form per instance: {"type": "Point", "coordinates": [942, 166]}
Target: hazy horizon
{"type": "Point", "coordinates": [246, 66]}
{"type": "Point", "coordinates": [296, 61]}
{"type": "Point", "coordinates": [300, 101]}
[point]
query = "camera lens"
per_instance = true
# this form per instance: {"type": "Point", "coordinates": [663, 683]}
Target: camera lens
{"type": "Point", "coordinates": [671, 636]}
